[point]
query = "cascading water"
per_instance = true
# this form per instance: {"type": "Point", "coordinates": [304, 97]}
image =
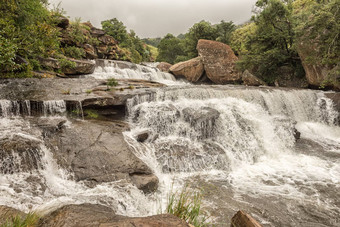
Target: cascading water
{"type": "Point", "coordinates": [243, 140]}
{"type": "Point", "coordinates": [106, 69]}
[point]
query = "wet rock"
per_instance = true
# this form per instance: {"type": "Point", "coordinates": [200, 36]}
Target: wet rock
{"type": "Point", "coordinates": [202, 119]}
{"type": "Point", "coordinates": [7, 213]}
{"type": "Point", "coordinates": [19, 154]}
{"type": "Point", "coordinates": [192, 69]}
{"type": "Point", "coordinates": [146, 183]}
{"type": "Point", "coordinates": [219, 62]}
{"type": "Point", "coordinates": [96, 152]}
{"type": "Point", "coordinates": [251, 80]}
{"type": "Point", "coordinates": [78, 215]}
{"type": "Point", "coordinates": [242, 219]}
{"type": "Point", "coordinates": [164, 66]}
{"type": "Point", "coordinates": [82, 67]}
{"type": "Point", "coordinates": [142, 136]}
{"type": "Point", "coordinates": [167, 220]}
{"type": "Point", "coordinates": [297, 134]}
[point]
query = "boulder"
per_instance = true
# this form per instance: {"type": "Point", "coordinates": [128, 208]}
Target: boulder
{"type": "Point", "coordinates": [96, 32]}
{"type": "Point", "coordinates": [146, 183]}
{"type": "Point", "coordinates": [142, 136]}
{"type": "Point", "coordinates": [288, 78]}
{"type": "Point", "coordinates": [192, 69]}
{"type": "Point", "coordinates": [107, 40]}
{"type": "Point", "coordinates": [90, 51]}
{"type": "Point", "coordinates": [219, 62]}
{"type": "Point", "coordinates": [7, 213]}
{"type": "Point", "coordinates": [63, 22]}
{"type": "Point", "coordinates": [164, 66]}
{"type": "Point", "coordinates": [87, 215]}
{"type": "Point", "coordinates": [78, 215]}
{"type": "Point", "coordinates": [82, 67]}
{"type": "Point", "coordinates": [242, 219]}
{"type": "Point", "coordinates": [96, 152]}
{"type": "Point", "coordinates": [251, 80]}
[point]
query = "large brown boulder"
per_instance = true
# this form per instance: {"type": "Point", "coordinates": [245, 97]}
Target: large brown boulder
{"type": "Point", "coordinates": [242, 219]}
{"type": "Point", "coordinates": [219, 62]}
{"type": "Point", "coordinates": [192, 69]}
{"type": "Point", "coordinates": [251, 80]}
{"type": "Point", "coordinates": [164, 66]}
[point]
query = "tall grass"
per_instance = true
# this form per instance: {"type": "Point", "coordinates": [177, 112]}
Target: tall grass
{"type": "Point", "coordinates": [30, 220]}
{"type": "Point", "coordinates": [186, 205]}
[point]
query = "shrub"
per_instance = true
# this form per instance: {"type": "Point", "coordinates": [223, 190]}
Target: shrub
{"type": "Point", "coordinates": [30, 220]}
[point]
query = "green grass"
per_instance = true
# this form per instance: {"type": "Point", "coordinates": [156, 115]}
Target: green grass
{"type": "Point", "coordinates": [186, 205]}
{"type": "Point", "coordinates": [154, 51]}
{"type": "Point", "coordinates": [30, 220]}
{"type": "Point", "coordinates": [91, 114]}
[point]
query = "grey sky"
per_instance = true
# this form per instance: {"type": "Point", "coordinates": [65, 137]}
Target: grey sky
{"type": "Point", "coordinates": [156, 18]}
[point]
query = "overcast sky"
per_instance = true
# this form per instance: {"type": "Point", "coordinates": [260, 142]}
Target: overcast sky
{"type": "Point", "coordinates": [156, 18]}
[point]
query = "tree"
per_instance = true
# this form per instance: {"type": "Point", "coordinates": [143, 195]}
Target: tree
{"type": "Point", "coordinates": [224, 31]}
{"type": "Point", "coordinates": [169, 49]}
{"type": "Point", "coordinates": [116, 29]}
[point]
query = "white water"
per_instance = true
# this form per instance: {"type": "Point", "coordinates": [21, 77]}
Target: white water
{"type": "Point", "coordinates": [126, 70]}
{"type": "Point", "coordinates": [250, 144]}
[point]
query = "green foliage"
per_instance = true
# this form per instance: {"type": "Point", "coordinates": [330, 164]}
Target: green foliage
{"type": "Point", "coordinates": [152, 41]}
{"type": "Point", "coordinates": [153, 52]}
{"type": "Point", "coordinates": [112, 82]}
{"type": "Point", "coordinates": [74, 52]}
{"type": "Point", "coordinates": [187, 206]}
{"type": "Point", "coordinates": [224, 31]}
{"type": "Point", "coordinates": [30, 220]}
{"type": "Point", "coordinates": [65, 63]}
{"type": "Point", "coordinates": [169, 49]}
{"type": "Point", "coordinates": [137, 49]}
{"type": "Point", "coordinates": [91, 114]}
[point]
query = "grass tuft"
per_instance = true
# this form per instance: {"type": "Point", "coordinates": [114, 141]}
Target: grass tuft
{"type": "Point", "coordinates": [30, 220]}
{"type": "Point", "coordinates": [187, 206]}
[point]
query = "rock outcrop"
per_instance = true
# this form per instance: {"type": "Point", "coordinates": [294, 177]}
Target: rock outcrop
{"type": "Point", "coordinates": [318, 75]}
{"type": "Point", "coordinates": [219, 62]}
{"type": "Point", "coordinates": [76, 67]}
{"type": "Point", "coordinates": [288, 78]}
{"type": "Point", "coordinates": [99, 215]}
{"type": "Point", "coordinates": [7, 213]}
{"type": "Point", "coordinates": [251, 80]}
{"type": "Point", "coordinates": [164, 66]}
{"type": "Point", "coordinates": [192, 69]}
{"type": "Point", "coordinates": [242, 219]}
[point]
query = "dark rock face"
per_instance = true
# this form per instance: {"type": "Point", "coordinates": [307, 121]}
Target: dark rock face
{"type": "Point", "coordinates": [242, 219]}
{"type": "Point", "coordinates": [141, 137]}
{"type": "Point", "coordinates": [96, 152]}
{"type": "Point", "coordinates": [97, 215]}
{"type": "Point", "coordinates": [63, 22]}
{"type": "Point", "coordinates": [251, 80]}
{"type": "Point", "coordinates": [219, 62]}
{"type": "Point", "coordinates": [82, 67]}
{"type": "Point", "coordinates": [289, 79]}
{"type": "Point", "coordinates": [192, 69]}
{"type": "Point", "coordinates": [164, 66]}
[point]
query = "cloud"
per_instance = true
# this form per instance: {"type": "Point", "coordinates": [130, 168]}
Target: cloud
{"type": "Point", "coordinates": [156, 18]}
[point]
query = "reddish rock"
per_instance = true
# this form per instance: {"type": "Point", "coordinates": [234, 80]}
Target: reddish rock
{"type": "Point", "coordinates": [90, 51]}
{"type": "Point", "coordinates": [219, 62]}
{"type": "Point", "coordinates": [164, 66]}
{"type": "Point", "coordinates": [251, 80]}
{"type": "Point", "coordinates": [242, 219]}
{"type": "Point", "coordinates": [107, 40]}
{"type": "Point", "coordinates": [192, 69]}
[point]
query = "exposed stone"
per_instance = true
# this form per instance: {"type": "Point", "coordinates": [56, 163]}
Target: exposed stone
{"type": "Point", "coordinates": [297, 134]}
{"type": "Point", "coordinates": [146, 183]}
{"type": "Point", "coordinates": [6, 213]}
{"type": "Point", "coordinates": [107, 40]}
{"type": "Point", "coordinates": [219, 62]}
{"type": "Point", "coordinates": [90, 51]}
{"type": "Point", "coordinates": [97, 32]}
{"type": "Point", "coordinates": [164, 66]}
{"type": "Point", "coordinates": [162, 220]}
{"type": "Point", "coordinates": [242, 219]}
{"type": "Point", "coordinates": [192, 69]}
{"type": "Point", "coordinates": [98, 215]}
{"type": "Point", "coordinates": [82, 67]}
{"type": "Point", "coordinates": [251, 80]}
{"type": "Point", "coordinates": [63, 22]}
{"type": "Point", "coordinates": [78, 215]}
{"type": "Point", "coordinates": [50, 63]}
{"type": "Point", "coordinates": [142, 136]}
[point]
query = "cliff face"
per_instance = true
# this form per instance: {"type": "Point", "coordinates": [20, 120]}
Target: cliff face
{"type": "Point", "coordinates": [318, 74]}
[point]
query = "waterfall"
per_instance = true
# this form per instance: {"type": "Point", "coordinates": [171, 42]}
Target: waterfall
{"type": "Point", "coordinates": [10, 108]}
{"type": "Point", "coordinates": [106, 69]}
{"type": "Point", "coordinates": [243, 138]}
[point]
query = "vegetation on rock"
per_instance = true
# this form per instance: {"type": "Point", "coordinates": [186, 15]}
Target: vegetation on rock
{"type": "Point", "coordinates": [29, 220]}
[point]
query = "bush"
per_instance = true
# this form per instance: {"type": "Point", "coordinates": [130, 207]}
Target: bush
{"type": "Point", "coordinates": [187, 206]}
{"type": "Point", "coordinates": [30, 220]}
{"type": "Point", "coordinates": [74, 52]}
